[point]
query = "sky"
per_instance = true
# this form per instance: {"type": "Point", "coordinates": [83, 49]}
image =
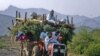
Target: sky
{"type": "Point", "coordinates": [89, 8]}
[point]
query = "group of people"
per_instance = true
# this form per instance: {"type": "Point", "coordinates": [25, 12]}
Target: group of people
{"type": "Point", "coordinates": [50, 37]}
{"type": "Point", "coordinates": [46, 37]}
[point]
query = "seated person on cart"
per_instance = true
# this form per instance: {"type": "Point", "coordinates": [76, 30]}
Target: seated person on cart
{"type": "Point", "coordinates": [50, 40]}
{"type": "Point", "coordinates": [50, 17]}
{"type": "Point", "coordinates": [43, 35]}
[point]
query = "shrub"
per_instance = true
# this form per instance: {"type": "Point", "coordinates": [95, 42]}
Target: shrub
{"type": "Point", "coordinates": [80, 41]}
{"type": "Point", "coordinates": [93, 50]}
{"type": "Point", "coordinates": [96, 35]}
{"type": "Point", "coordinates": [79, 49]}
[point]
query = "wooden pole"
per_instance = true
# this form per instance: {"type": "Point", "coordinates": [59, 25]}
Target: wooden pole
{"type": "Point", "coordinates": [19, 15]}
{"type": "Point", "coordinates": [12, 22]}
{"type": "Point", "coordinates": [68, 20]}
{"type": "Point", "coordinates": [16, 13]}
{"type": "Point", "coordinates": [56, 19]}
{"type": "Point", "coordinates": [43, 18]}
{"type": "Point", "coordinates": [72, 20]}
{"type": "Point", "coordinates": [25, 16]}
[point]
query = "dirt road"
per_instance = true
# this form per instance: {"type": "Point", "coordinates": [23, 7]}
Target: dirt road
{"type": "Point", "coordinates": [9, 52]}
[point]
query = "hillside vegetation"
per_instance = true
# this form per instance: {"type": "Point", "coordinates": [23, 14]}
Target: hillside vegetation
{"type": "Point", "coordinates": [4, 42]}
{"type": "Point", "coordinates": [86, 43]}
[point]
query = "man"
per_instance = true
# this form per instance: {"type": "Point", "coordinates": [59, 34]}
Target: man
{"type": "Point", "coordinates": [50, 17]}
{"type": "Point", "coordinates": [30, 45]}
{"type": "Point", "coordinates": [50, 39]}
{"type": "Point", "coordinates": [43, 35]}
{"type": "Point", "coordinates": [54, 37]}
{"type": "Point", "coordinates": [55, 34]}
{"type": "Point", "coordinates": [18, 35]}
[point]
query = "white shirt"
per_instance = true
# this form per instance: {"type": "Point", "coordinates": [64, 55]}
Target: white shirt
{"type": "Point", "coordinates": [46, 39]}
{"type": "Point", "coordinates": [46, 42]}
{"type": "Point", "coordinates": [50, 18]}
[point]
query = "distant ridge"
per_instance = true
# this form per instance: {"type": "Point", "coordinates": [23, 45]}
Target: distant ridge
{"type": "Point", "coordinates": [5, 21]}
{"type": "Point", "coordinates": [9, 13]}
